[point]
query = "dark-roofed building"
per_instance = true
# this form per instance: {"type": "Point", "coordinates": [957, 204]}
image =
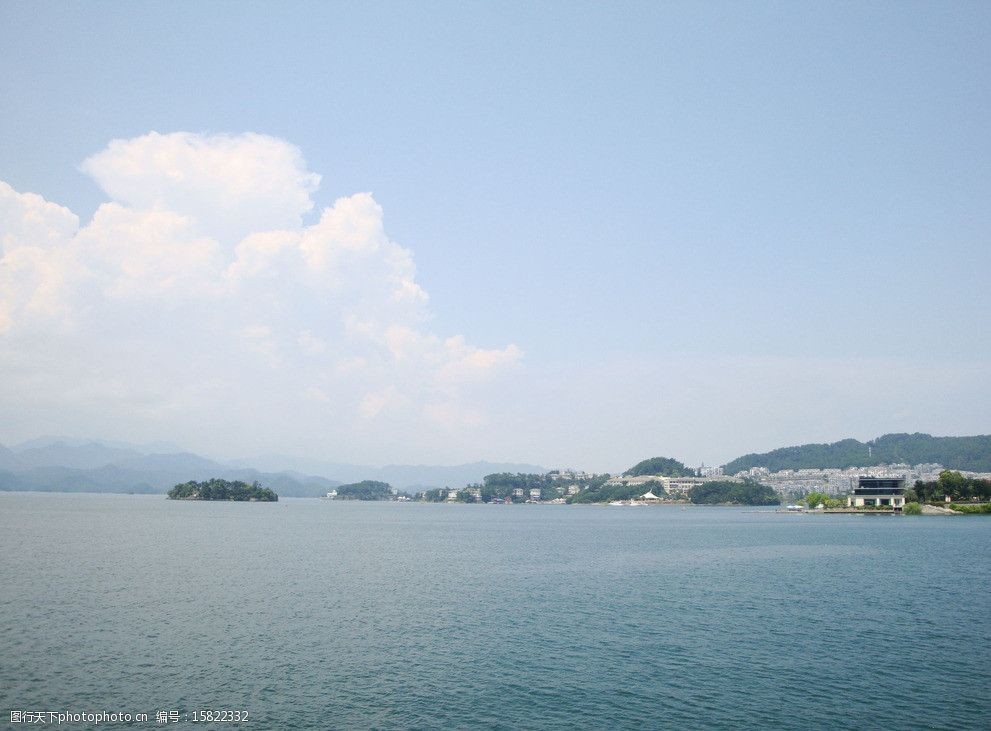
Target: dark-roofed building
{"type": "Point", "coordinates": [878, 492]}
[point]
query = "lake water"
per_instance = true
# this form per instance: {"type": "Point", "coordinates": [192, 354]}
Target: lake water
{"type": "Point", "coordinates": [310, 614]}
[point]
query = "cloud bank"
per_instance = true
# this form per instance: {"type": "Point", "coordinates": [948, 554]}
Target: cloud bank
{"type": "Point", "coordinates": [196, 302]}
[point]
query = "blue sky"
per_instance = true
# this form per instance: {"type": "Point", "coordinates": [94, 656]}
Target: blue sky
{"type": "Point", "coordinates": [708, 228]}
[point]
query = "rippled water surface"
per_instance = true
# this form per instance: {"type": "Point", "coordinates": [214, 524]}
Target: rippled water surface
{"type": "Point", "coordinates": [316, 615]}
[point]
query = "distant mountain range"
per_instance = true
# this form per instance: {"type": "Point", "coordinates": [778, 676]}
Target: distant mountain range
{"type": "Point", "coordinates": [404, 477]}
{"type": "Point", "coordinates": [960, 453]}
{"type": "Point", "coordinates": [59, 464]}
{"type": "Point", "coordinates": [70, 465]}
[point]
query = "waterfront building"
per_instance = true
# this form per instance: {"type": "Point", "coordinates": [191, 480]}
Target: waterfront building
{"type": "Point", "coordinates": [683, 485]}
{"type": "Point", "coordinates": [535, 493]}
{"type": "Point", "coordinates": [671, 485]}
{"type": "Point", "coordinates": [568, 474]}
{"type": "Point", "coordinates": [636, 480]}
{"type": "Point", "coordinates": [878, 492]}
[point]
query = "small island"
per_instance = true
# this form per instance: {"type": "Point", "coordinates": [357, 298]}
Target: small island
{"type": "Point", "coordinates": [365, 490]}
{"type": "Point", "coordinates": [216, 489]}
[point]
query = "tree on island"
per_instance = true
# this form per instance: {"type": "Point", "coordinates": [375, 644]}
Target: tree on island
{"type": "Point", "coordinates": [217, 489]}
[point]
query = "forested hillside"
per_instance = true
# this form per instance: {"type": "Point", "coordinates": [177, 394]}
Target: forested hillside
{"type": "Point", "coordinates": [961, 453]}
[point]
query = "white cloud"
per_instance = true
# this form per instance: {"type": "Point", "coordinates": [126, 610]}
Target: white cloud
{"type": "Point", "coordinates": [34, 235]}
{"type": "Point", "coordinates": [464, 362]}
{"type": "Point", "coordinates": [147, 253]}
{"type": "Point", "coordinates": [232, 185]}
{"type": "Point", "coordinates": [32, 287]}
{"type": "Point", "coordinates": [196, 302]}
{"type": "Point", "coordinates": [30, 220]}
{"type": "Point", "coordinates": [373, 404]}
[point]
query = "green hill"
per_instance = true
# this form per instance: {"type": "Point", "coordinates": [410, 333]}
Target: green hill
{"type": "Point", "coordinates": [960, 453]}
{"type": "Point", "coordinates": [365, 490]}
{"type": "Point", "coordinates": [660, 466]}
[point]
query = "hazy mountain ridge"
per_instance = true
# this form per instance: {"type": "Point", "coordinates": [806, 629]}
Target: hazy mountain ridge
{"type": "Point", "coordinates": [142, 448]}
{"type": "Point", "coordinates": [92, 466]}
{"type": "Point", "coordinates": [63, 454]}
{"type": "Point", "coordinates": [113, 478]}
{"type": "Point", "coordinates": [961, 453]}
{"type": "Point", "coordinates": [404, 477]}
{"type": "Point", "coordinates": [74, 465]}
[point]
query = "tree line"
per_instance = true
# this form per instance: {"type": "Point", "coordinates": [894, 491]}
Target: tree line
{"type": "Point", "coordinates": [602, 493]}
{"type": "Point", "coordinates": [747, 492]}
{"type": "Point", "coordinates": [501, 486]}
{"type": "Point", "coordinates": [950, 483]}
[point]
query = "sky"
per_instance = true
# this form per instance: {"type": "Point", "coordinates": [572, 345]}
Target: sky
{"type": "Point", "coordinates": [570, 234]}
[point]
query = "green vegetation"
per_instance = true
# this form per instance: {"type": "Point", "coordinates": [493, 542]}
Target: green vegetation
{"type": "Point", "coordinates": [979, 509]}
{"type": "Point", "coordinates": [736, 493]}
{"type": "Point", "coordinates": [222, 490]}
{"type": "Point", "coordinates": [963, 453]}
{"type": "Point", "coordinates": [601, 493]}
{"type": "Point", "coordinates": [815, 499]}
{"type": "Point", "coordinates": [500, 486]}
{"type": "Point", "coordinates": [912, 509]}
{"type": "Point", "coordinates": [955, 485]}
{"type": "Point", "coordinates": [365, 490]}
{"type": "Point", "coordinates": [663, 466]}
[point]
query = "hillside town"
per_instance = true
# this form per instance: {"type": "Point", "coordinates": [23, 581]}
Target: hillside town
{"type": "Point", "coordinates": [563, 486]}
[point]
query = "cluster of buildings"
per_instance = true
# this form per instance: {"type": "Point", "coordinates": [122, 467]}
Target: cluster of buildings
{"type": "Point", "coordinates": [849, 481]}
{"type": "Point", "coordinates": [673, 486]}
{"type": "Point", "coordinates": [865, 492]}
{"type": "Point", "coordinates": [838, 481]}
{"type": "Point", "coordinates": [518, 494]}
{"type": "Point", "coordinates": [797, 482]}
{"type": "Point", "coordinates": [570, 475]}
